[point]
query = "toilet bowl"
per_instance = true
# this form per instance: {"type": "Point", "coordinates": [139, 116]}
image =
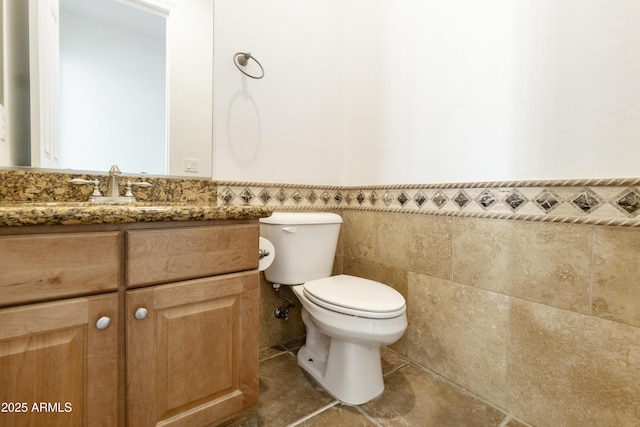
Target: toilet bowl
{"type": "Point", "coordinates": [342, 350]}
{"type": "Point", "coordinates": [347, 318]}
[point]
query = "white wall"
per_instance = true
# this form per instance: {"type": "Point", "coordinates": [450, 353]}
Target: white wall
{"type": "Point", "coordinates": [435, 102]}
{"type": "Point", "coordinates": [288, 126]}
{"type": "Point", "coordinates": [190, 44]}
{"type": "Point", "coordinates": [495, 90]}
{"type": "Point", "coordinates": [426, 91]}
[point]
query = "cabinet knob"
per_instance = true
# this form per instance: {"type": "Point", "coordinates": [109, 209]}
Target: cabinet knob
{"type": "Point", "coordinates": [103, 323]}
{"type": "Point", "coordinates": [141, 313]}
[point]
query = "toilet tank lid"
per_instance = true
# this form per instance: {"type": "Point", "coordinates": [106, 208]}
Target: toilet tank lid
{"type": "Point", "coordinates": [289, 218]}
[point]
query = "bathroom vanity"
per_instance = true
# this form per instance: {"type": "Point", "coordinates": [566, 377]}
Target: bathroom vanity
{"type": "Point", "coordinates": [140, 323]}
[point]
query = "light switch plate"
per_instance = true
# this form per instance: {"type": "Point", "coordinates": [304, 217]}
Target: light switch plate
{"type": "Point", "coordinates": [190, 165]}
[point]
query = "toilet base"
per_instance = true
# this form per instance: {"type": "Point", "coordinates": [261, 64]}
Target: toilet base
{"type": "Point", "coordinates": [350, 372]}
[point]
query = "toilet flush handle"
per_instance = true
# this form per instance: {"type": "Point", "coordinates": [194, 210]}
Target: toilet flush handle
{"type": "Point", "coordinates": [289, 229]}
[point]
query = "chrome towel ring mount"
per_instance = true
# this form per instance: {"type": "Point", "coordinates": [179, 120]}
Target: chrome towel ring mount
{"type": "Point", "coordinates": [241, 60]}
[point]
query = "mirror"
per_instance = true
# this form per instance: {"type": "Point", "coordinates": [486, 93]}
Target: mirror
{"type": "Point", "coordinates": [168, 93]}
{"type": "Point", "coordinates": [112, 87]}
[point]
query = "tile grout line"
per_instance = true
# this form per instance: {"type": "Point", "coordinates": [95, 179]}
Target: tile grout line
{"type": "Point", "coordinates": [408, 362]}
{"type": "Point", "coordinates": [313, 414]}
{"type": "Point", "coordinates": [507, 368]}
{"type": "Point", "coordinates": [273, 356]}
{"type": "Point", "coordinates": [591, 269]}
{"type": "Point", "coordinates": [367, 416]}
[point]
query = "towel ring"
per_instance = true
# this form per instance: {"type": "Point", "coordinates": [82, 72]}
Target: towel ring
{"type": "Point", "coordinates": [242, 59]}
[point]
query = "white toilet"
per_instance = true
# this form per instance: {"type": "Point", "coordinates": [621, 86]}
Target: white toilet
{"type": "Point", "coordinates": [347, 318]}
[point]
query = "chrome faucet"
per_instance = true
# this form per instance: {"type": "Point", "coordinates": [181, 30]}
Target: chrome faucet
{"type": "Point", "coordinates": [113, 188]}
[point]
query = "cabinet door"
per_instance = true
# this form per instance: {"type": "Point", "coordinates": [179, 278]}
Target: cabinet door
{"type": "Point", "coordinates": [57, 367]}
{"type": "Point", "coordinates": [192, 350]}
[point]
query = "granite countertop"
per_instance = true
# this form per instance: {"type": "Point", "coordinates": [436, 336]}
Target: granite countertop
{"type": "Point", "coordinates": [71, 213]}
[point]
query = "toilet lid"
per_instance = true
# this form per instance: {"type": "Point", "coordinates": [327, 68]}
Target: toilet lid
{"type": "Point", "coordinates": [355, 296]}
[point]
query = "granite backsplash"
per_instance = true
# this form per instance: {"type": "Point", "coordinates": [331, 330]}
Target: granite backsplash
{"type": "Point", "coordinates": [27, 185]}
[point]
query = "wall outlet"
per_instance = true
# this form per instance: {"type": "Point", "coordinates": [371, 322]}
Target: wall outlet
{"type": "Point", "coordinates": [190, 165]}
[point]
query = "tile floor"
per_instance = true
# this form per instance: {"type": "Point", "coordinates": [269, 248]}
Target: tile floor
{"type": "Point", "coordinates": [413, 396]}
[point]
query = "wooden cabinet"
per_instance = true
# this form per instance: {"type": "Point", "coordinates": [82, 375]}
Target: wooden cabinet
{"type": "Point", "coordinates": [181, 347]}
{"type": "Point", "coordinates": [192, 346]}
{"type": "Point", "coordinates": [161, 256]}
{"type": "Point", "coordinates": [58, 265]}
{"type": "Point", "coordinates": [57, 367]}
{"type": "Point", "coordinates": [192, 354]}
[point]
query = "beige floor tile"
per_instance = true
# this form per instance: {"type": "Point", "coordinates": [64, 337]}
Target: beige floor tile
{"type": "Point", "coordinates": [294, 344]}
{"type": "Point", "coordinates": [515, 423]}
{"type": "Point", "coordinates": [286, 393]}
{"type": "Point", "coordinates": [268, 352]}
{"type": "Point", "coordinates": [391, 360]}
{"type": "Point", "coordinates": [413, 397]}
{"type": "Point", "coordinates": [338, 416]}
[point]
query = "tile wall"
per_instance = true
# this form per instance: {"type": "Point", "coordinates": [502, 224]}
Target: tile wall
{"type": "Point", "coordinates": [539, 316]}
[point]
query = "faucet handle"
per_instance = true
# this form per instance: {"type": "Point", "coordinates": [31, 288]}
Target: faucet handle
{"type": "Point", "coordinates": [137, 184]}
{"type": "Point", "coordinates": [80, 181]}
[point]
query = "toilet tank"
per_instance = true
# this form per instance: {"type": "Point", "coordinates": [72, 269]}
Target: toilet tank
{"type": "Point", "coordinates": [305, 245]}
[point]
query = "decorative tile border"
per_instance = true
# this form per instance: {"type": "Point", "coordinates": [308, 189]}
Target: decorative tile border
{"type": "Point", "coordinates": [603, 202]}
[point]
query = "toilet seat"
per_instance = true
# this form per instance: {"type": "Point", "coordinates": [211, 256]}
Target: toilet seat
{"type": "Point", "coordinates": [355, 296]}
